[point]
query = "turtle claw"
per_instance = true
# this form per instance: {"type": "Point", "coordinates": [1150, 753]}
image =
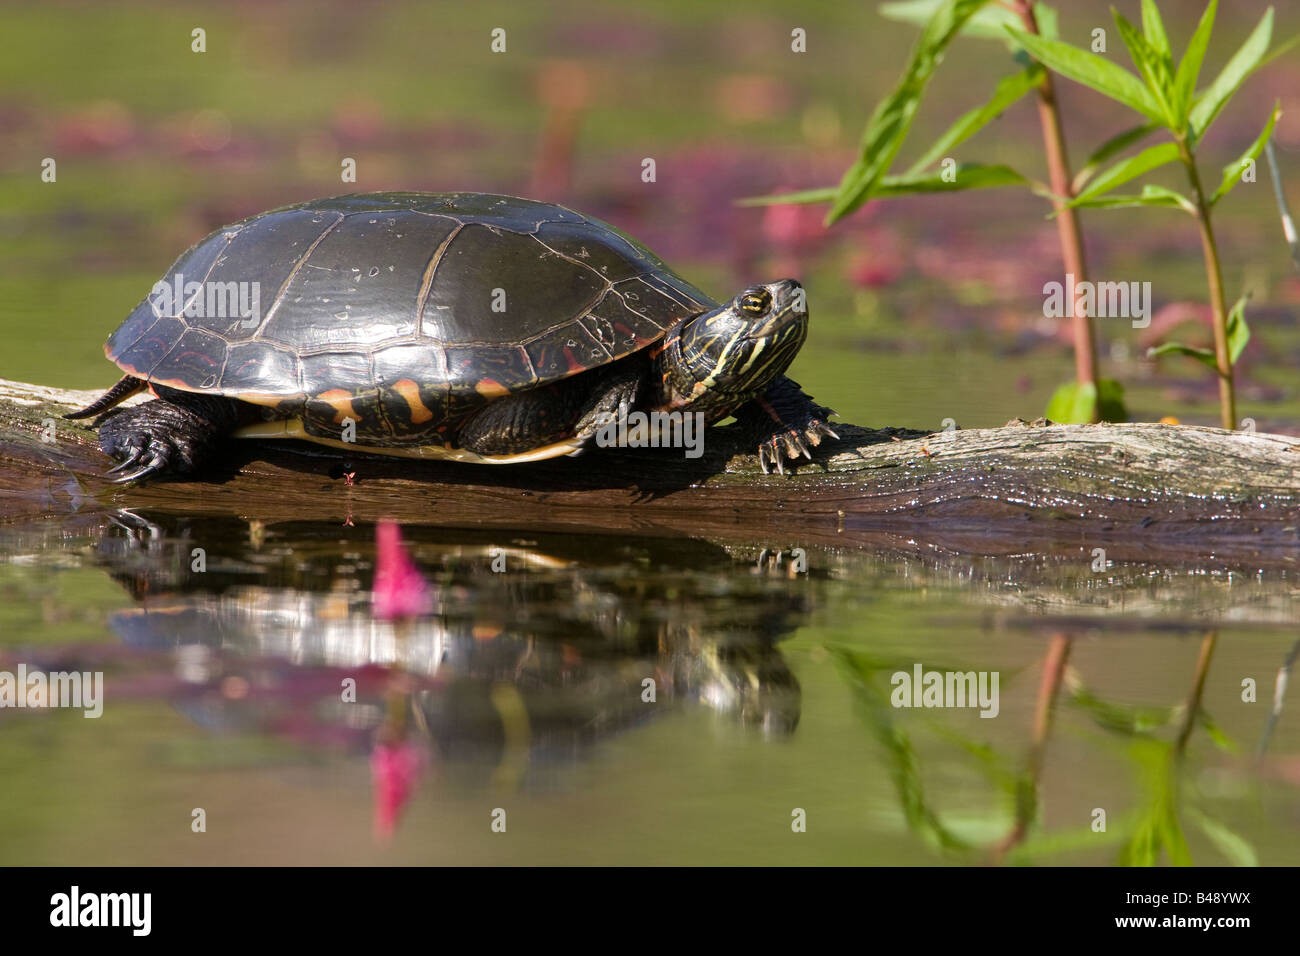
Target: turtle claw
{"type": "Point", "coordinates": [123, 464]}
{"type": "Point", "coordinates": [790, 444]}
{"type": "Point", "coordinates": [817, 429]}
{"type": "Point", "coordinates": [783, 445]}
{"type": "Point", "coordinates": [156, 462]}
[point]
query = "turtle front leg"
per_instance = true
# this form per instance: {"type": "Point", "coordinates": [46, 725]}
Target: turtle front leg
{"type": "Point", "coordinates": [166, 437]}
{"type": "Point", "coordinates": [785, 421]}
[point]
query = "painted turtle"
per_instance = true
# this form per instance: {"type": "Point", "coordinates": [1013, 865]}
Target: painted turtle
{"type": "Point", "coordinates": [441, 325]}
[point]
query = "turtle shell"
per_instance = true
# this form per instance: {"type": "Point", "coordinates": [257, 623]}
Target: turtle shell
{"type": "Point", "coordinates": [401, 311]}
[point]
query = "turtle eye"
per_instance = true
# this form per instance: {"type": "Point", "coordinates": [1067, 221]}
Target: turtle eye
{"type": "Point", "coordinates": [756, 302]}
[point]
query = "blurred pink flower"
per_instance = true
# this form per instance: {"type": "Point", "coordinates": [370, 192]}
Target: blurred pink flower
{"type": "Point", "coordinates": [878, 266]}
{"type": "Point", "coordinates": [400, 592]}
{"type": "Point", "coordinates": [791, 224]}
{"type": "Point", "coordinates": [394, 770]}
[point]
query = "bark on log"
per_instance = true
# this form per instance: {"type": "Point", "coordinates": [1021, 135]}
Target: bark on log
{"type": "Point", "coordinates": [1144, 490]}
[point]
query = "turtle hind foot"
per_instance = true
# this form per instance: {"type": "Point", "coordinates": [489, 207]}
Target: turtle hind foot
{"type": "Point", "coordinates": [156, 438]}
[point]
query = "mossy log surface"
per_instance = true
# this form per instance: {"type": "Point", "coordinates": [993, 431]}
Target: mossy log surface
{"type": "Point", "coordinates": [1145, 489]}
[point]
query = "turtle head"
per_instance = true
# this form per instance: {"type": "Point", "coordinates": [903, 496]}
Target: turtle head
{"type": "Point", "coordinates": [721, 359]}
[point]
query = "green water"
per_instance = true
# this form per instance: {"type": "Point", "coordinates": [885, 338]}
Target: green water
{"type": "Point", "coordinates": [223, 694]}
{"type": "Point", "coordinates": [772, 684]}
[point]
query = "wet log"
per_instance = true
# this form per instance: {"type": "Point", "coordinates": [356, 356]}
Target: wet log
{"type": "Point", "coordinates": [1147, 490]}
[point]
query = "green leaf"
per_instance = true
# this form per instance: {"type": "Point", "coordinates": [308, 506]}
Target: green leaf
{"type": "Point", "coordinates": [1244, 62]}
{"type": "Point", "coordinates": [1189, 68]}
{"type": "Point", "coordinates": [967, 176]}
{"type": "Point", "coordinates": [988, 24]}
{"type": "Point", "coordinates": [1073, 403]}
{"type": "Point", "coordinates": [1216, 733]}
{"type": "Point", "coordinates": [1153, 67]}
{"type": "Point", "coordinates": [1232, 845]}
{"type": "Point", "coordinates": [825, 194]}
{"type": "Point", "coordinates": [1204, 356]}
{"type": "Point", "coordinates": [1110, 404]}
{"type": "Point", "coordinates": [892, 119]}
{"type": "Point", "coordinates": [1092, 71]}
{"type": "Point", "coordinates": [1116, 144]}
{"type": "Point", "coordinates": [1171, 832]}
{"type": "Point", "coordinates": [1232, 172]}
{"type": "Point", "coordinates": [1008, 90]}
{"type": "Point", "coordinates": [901, 758]}
{"type": "Point", "coordinates": [1280, 50]}
{"type": "Point", "coordinates": [1126, 170]}
{"type": "Point", "coordinates": [1238, 330]}
{"type": "Point", "coordinates": [1124, 719]}
{"type": "Point", "coordinates": [1150, 196]}
{"type": "Point", "coordinates": [985, 24]}
{"type": "Point", "coordinates": [1047, 21]}
{"type": "Point", "coordinates": [1153, 28]}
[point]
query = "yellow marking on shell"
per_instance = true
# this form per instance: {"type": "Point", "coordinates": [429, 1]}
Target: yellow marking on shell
{"type": "Point", "coordinates": [261, 398]}
{"type": "Point", "coordinates": [489, 388]}
{"type": "Point", "coordinates": [411, 393]}
{"type": "Point", "coordinates": [292, 428]}
{"type": "Point", "coordinates": [341, 400]}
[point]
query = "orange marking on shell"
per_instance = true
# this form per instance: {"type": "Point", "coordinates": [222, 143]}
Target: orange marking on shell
{"type": "Point", "coordinates": [411, 393]}
{"type": "Point", "coordinates": [574, 365]}
{"type": "Point", "coordinates": [490, 388]}
{"type": "Point", "coordinates": [262, 398]}
{"type": "Point", "coordinates": [342, 402]}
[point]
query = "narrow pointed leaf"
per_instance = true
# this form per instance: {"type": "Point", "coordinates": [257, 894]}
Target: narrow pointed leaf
{"type": "Point", "coordinates": [1189, 69]}
{"type": "Point", "coordinates": [1116, 144]}
{"type": "Point", "coordinates": [1204, 356]}
{"type": "Point", "coordinates": [892, 119]}
{"type": "Point", "coordinates": [1244, 62]}
{"type": "Point", "coordinates": [1232, 845]}
{"type": "Point", "coordinates": [1151, 195]}
{"type": "Point", "coordinates": [1280, 50]}
{"type": "Point", "coordinates": [804, 197]}
{"type": "Point", "coordinates": [1238, 330]}
{"type": "Point", "coordinates": [986, 24]}
{"type": "Point", "coordinates": [1233, 171]}
{"type": "Point", "coordinates": [1127, 169]}
{"type": "Point", "coordinates": [1092, 71]}
{"type": "Point", "coordinates": [967, 176]}
{"type": "Point", "coordinates": [1153, 69]}
{"type": "Point", "coordinates": [1008, 90]}
{"type": "Point", "coordinates": [1153, 28]}
{"type": "Point", "coordinates": [990, 23]}
{"type": "Point", "coordinates": [1047, 21]}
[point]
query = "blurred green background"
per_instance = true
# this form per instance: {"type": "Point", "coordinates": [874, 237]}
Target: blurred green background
{"type": "Point", "coordinates": [923, 309]}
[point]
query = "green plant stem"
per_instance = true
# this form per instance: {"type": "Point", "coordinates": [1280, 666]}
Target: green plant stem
{"type": "Point", "coordinates": [1049, 686]}
{"type": "Point", "coordinates": [1193, 705]}
{"type": "Point", "coordinates": [1067, 218]}
{"type": "Point", "coordinates": [1214, 278]}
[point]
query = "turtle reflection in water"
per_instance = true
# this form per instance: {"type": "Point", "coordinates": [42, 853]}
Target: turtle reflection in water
{"type": "Point", "coordinates": [453, 326]}
{"type": "Point", "coordinates": [559, 646]}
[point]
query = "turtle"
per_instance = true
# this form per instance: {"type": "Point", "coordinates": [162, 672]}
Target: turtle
{"type": "Point", "coordinates": [467, 327]}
